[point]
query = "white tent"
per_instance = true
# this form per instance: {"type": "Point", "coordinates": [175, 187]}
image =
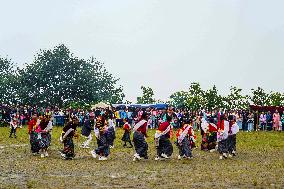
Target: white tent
{"type": "Point", "coordinates": [101, 105]}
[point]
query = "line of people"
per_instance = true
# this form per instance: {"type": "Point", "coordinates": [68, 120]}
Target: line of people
{"type": "Point", "coordinates": [220, 137]}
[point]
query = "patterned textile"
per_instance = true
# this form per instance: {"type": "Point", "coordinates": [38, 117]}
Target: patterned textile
{"type": "Point", "coordinates": [212, 140]}
{"type": "Point", "coordinates": [110, 136]}
{"type": "Point", "coordinates": [165, 146]}
{"type": "Point", "coordinates": [184, 148]}
{"type": "Point", "coordinates": [140, 144]}
{"type": "Point", "coordinates": [68, 148]}
{"type": "Point", "coordinates": [232, 141]}
{"type": "Point", "coordinates": [204, 142]}
{"type": "Point", "coordinates": [44, 141]}
{"type": "Point", "coordinates": [126, 137]}
{"type": "Point", "coordinates": [103, 147]}
{"type": "Point", "coordinates": [35, 142]}
{"type": "Point", "coordinates": [223, 146]}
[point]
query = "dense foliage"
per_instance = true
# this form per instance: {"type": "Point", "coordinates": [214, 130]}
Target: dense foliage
{"type": "Point", "coordinates": [147, 97]}
{"type": "Point", "coordinates": [57, 77]}
{"type": "Point", "coordinates": [196, 98]}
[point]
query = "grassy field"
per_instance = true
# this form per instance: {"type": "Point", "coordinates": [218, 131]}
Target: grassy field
{"type": "Point", "coordinates": [259, 164]}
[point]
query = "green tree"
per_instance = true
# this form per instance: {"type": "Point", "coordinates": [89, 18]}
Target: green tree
{"type": "Point", "coordinates": [195, 99]}
{"type": "Point", "coordinates": [235, 100]}
{"type": "Point", "coordinates": [8, 81]}
{"type": "Point", "coordinates": [147, 96]}
{"type": "Point", "coordinates": [212, 99]}
{"type": "Point", "coordinates": [57, 77]}
{"type": "Point", "coordinates": [259, 97]}
{"type": "Point", "coordinates": [179, 99]}
{"type": "Point", "coordinates": [276, 99]}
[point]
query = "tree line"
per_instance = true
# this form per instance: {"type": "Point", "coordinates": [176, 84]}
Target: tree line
{"type": "Point", "coordinates": [56, 77]}
{"type": "Point", "coordinates": [195, 98]}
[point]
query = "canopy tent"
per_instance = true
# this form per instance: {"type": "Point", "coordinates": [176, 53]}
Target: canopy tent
{"type": "Point", "coordinates": [101, 105]}
{"type": "Point", "coordinates": [123, 106]}
{"type": "Point", "coordinates": [272, 109]}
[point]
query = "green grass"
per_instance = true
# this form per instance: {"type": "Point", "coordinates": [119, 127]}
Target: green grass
{"type": "Point", "coordinates": [260, 164]}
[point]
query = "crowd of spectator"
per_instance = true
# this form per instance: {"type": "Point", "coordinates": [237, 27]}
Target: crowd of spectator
{"type": "Point", "coordinates": [247, 120]}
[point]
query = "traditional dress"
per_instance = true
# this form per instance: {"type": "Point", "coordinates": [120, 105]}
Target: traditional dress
{"type": "Point", "coordinates": [86, 132]}
{"type": "Point", "coordinates": [43, 136]}
{"type": "Point", "coordinates": [140, 144]}
{"type": "Point", "coordinates": [232, 138]}
{"type": "Point", "coordinates": [162, 140]}
{"type": "Point", "coordinates": [126, 135]}
{"type": "Point", "coordinates": [183, 141]}
{"type": "Point", "coordinates": [212, 136]}
{"type": "Point", "coordinates": [222, 137]}
{"type": "Point", "coordinates": [204, 129]}
{"type": "Point", "coordinates": [67, 139]}
{"type": "Point", "coordinates": [34, 140]}
{"type": "Point", "coordinates": [101, 134]}
{"type": "Point", "coordinates": [111, 133]}
{"type": "Point", "coordinates": [209, 135]}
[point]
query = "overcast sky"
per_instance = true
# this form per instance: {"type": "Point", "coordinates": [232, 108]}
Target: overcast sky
{"type": "Point", "coordinates": [163, 44]}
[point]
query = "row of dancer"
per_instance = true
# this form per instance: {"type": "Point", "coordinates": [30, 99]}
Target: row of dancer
{"type": "Point", "coordinates": [221, 137]}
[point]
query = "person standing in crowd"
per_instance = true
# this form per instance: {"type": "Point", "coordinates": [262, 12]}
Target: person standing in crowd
{"type": "Point", "coordinates": [162, 138]}
{"type": "Point", "coordinates": [13, 125]}
{"type": "Point", "coordinates": [22, 120]}
{"type": "Point", "coordinates": [153, 119]}
{"type": "Point", "coordinates": [282, 121]}
{"type": "Point", "coordinates": [276, 121]}
{"type": "Point", "coordinates": [140, 133]}
{"type": "Point", "coordinates": [262, 120]}
{"type": "Point", "coordinates": [239, 119]}
{"type": "Point", "coordinates": [130, 116]}
{"type": "Point", "coordinates": [126, 135]}
{"type": "Point", "coordinates": [256, 121]}
{"type": "Point", "coordinates": [245, 120]}
{"type": "Point", "coordinates": [183, 140]}
{"type": "Point", "coordinates": [269, 121]}
{"type": "Point", "coordinates": [250, 122]}
{"type": "Point", "coordinates": [117, 118]}
{"type": "Point", "coordinates": [69, 131]}
{"type": "Point", "coordinates": [198, 121]}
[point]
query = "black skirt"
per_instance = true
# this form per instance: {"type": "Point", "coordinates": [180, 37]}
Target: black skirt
{"type": "Point", "coordinates": [35, 142]}
{"type": "Point", "coordinates": [68, 147]}
{"type": "Point", "coordinates": [126, 137]}
{"type": "Point", "coordinates": [232, 141]}
{"type": "Point", "coordinates": [223, 146]}
{"type": "Point", "coordinates": [184, 148]}
{"type": "Point", "coordinates": [165, 146]}
{"type": "Point", "coordinates": [140, 144]}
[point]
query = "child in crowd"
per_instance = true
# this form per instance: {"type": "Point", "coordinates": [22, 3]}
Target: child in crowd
{"type": "Point", "coordinates": [13, 126]}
